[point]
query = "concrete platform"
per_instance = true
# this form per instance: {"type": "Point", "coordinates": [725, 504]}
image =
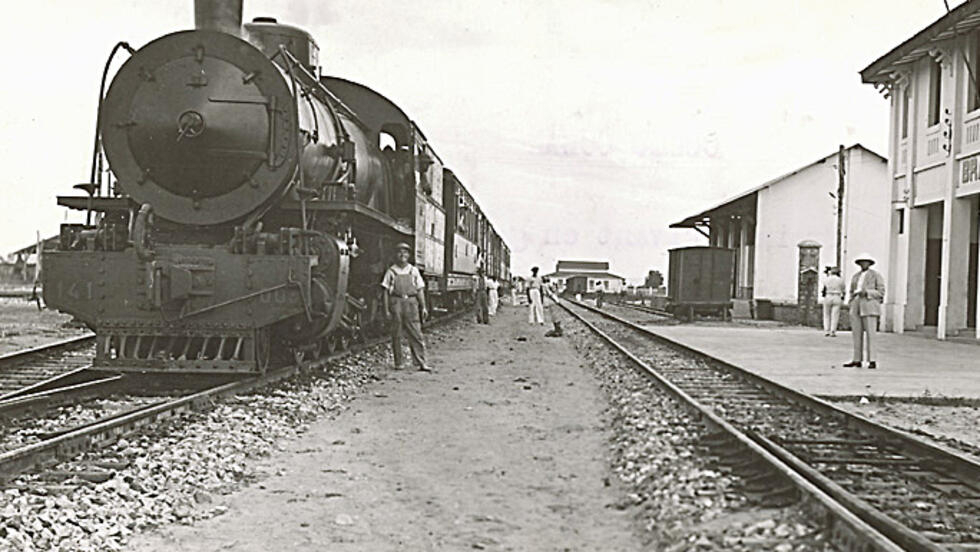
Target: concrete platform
{"type": "Point", "coordinates": [802, 358]}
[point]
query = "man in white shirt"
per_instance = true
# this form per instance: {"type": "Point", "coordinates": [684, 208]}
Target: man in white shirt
{"type": "Point", "coordinates": [404, 297]}
{"type": "Point", "coordinates": [493, 296]}
{"type": "Point", "coordinates": [833, 298]}
{"type": "Point", "coordinates": [534, 290]}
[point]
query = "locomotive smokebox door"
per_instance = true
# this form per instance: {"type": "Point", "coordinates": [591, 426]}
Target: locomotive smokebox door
{"type": "Point", "coordinates": [202, 126]}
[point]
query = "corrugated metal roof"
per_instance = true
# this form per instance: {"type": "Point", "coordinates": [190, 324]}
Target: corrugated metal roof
{"type": "Point", "coordinates": [693, 220]}
{"type": "Point", "coordinates": [959, 21]}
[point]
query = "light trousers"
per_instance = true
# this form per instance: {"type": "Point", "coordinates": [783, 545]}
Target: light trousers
{"type": "Point", "coordinates": [831, 312]}
{"type": "Point", "coordinates": [536, 313]}
{"type": "Point", "coordinates": [493, 301]}
{"type": "Point", "coordinates": [863, 329]}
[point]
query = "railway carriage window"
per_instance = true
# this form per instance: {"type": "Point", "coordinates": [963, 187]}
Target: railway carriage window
{"type": "Point", "coordinates": [900, 213]}
{"type": "Point", "coordinates": [424, 162]}
{"type": "Point", "coordinates": [935, 92]}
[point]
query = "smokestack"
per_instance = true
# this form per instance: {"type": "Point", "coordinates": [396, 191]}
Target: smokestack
{"type": "Point", "coordinates": [218, 15]}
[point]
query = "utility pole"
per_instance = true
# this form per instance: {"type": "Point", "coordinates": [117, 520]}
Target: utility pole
{"type": "Point", "coordinates": [840, 202]}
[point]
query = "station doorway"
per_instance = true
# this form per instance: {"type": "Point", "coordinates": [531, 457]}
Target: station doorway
{"type": "Point", "coordinates": [971, 279]}
{"type": "Point", "coordinates": [934, 259]}
{"type": "Point", "coordinates": [971, 288]}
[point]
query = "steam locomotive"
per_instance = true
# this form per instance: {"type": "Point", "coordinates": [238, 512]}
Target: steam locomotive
{"type": "Point", "coordinates": [254, 207]}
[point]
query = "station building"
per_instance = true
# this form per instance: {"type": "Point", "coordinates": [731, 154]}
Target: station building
{"type": "Point", "coordinates": [766, 225]}
{"type": "Point", "coordinates": [934, 174]}
{"type": "Point", "coordinates": [586, 277]}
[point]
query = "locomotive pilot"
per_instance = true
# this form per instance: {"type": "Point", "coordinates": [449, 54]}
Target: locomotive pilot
{"type": "Point", "coordinates": [404, 298]}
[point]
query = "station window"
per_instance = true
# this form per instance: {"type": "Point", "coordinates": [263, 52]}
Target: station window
{"type": "Point", "coordinates": [935, 92]}
{"type": "Point", "coordinates": [973, 99]}
{"type": "Point", "coordinates": [906, 98]}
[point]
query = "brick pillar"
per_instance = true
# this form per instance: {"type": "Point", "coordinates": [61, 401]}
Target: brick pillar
{"type": "Point", "coordinates": [807, 292]}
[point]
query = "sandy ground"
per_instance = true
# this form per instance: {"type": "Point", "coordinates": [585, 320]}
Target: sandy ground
{"type": "Point", "coordinates": [23, 326]}
{"type": "Point", "coordinates": [953, 426]}
{"type": "Point", "coordinates": [503, 449]}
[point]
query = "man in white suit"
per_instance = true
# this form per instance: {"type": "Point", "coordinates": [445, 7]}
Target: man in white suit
{"type": "Point", "coordinates": [867, 292]}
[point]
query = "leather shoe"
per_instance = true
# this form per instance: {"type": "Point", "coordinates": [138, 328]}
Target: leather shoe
{"type": "Point", "coordinates": [872, 365]}
{"type": "Point", "coordinates": [852, 364]}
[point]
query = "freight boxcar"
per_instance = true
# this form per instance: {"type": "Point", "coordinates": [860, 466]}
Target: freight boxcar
{"type": "Point", "coordinates": [700, 281]}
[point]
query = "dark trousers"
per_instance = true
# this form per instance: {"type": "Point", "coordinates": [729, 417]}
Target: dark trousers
{"type": "Point", "coordinates": [406, 319]}
{"type": "Point", "coordinates": [482, 308]}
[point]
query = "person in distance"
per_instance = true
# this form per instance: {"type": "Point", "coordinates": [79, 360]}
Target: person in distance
{"type": "Point", "coordinates": [867, 293]}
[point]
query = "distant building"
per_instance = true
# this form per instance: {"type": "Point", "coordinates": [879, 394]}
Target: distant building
{"type": "Point", "coordinates": [19, 267]}
{"type": "Point", "coordinates": [765, 224]}
{"type": "Point", "coordinates": [934, 174]}
{"type": "Point", "coordinates": [587, 276]}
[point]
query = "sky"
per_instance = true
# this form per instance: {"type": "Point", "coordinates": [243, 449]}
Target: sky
{"type": "Point", "coordinates": [583, 127]}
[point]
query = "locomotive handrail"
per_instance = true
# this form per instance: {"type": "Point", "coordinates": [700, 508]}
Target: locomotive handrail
{"type": "Point", "coordinates": [98, 111]}
{"type": "Point", "coordinates": [326, 91]}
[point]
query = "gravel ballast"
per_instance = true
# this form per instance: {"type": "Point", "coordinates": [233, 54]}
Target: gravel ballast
{"type": "Point", "coordinates": [682, 498]}
{"type": "Point", "coordinates": [171, 471]}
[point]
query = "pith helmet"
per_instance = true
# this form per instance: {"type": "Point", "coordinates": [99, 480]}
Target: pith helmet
{"type": "Point", "coordinates": [404, 246]}
{"type": "Point", "coordinates": [864, 257]}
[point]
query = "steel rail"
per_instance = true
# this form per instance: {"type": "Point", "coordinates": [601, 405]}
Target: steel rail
{"type": "Point", "coordinates": [643, 308]}
{"type": "Point", "coordinates": [848, 525]}
{"type": "Point", "coordinates": [68, 443]}
{"type": "Point", "coordinates": [961, 464]}
{"type": "Point", "coordinates": [20, 362]}
{"type": "Point", "coordinates": [58, 395]}
{"type": "Point", "coordinates": [47, 348]}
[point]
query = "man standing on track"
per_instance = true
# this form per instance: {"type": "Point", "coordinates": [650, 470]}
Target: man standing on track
{"type": "Point", "coordinates": [833, 298]}
{"type": "Point", "coordinates": [867, 293]}
{"type": "Point", "coordinates": [534, 289]}
{"type": "Point", "coordinates": [404, 297]}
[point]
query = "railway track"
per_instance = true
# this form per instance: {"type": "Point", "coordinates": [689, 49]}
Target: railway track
{"type": "Point", "coordinates": [879, 488]}
{"type": "Point", "coordinates": [68, 442]}
{"type": "Point", "coordinates": [46, 366]}
{"type": "Point", "coordinates": [643, 309]}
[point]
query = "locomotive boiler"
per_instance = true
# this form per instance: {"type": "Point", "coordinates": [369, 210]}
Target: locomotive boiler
{"type": "Point", "coordinates": [253, 207]}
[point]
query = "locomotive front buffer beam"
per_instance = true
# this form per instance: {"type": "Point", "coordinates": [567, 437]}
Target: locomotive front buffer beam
{"type": "Point", "coordinates": [169, 313]}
